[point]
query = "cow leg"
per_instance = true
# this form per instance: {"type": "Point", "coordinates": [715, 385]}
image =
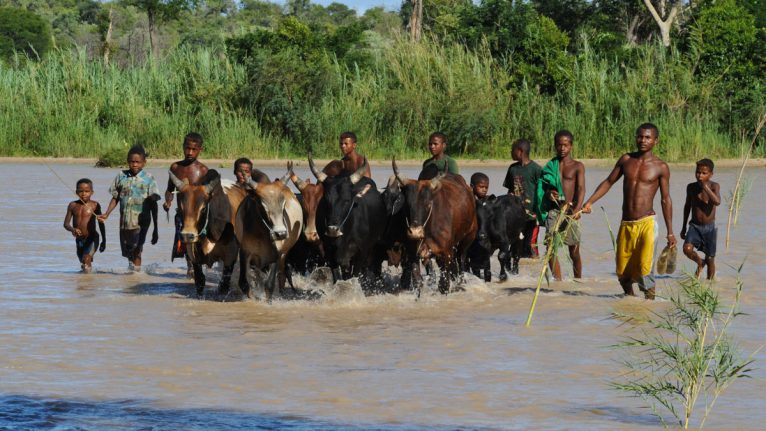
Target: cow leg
{"type": "Point", "coordinates": [223, 285]}
{"type": "Point", "coordinates": [516, 250]}
{"type": "Point", "coordinates": [199, 279]}
{"type": "Point", "coordinates": [417, 277]}
{"type": "Point", "coordinates": [244, 266]}
{"type": "Point", "coordinates": [444, 276]}
{"type": "Point", "coordinates": [488, 271]}
{"type": "Point", "coordinates": [271, 282]}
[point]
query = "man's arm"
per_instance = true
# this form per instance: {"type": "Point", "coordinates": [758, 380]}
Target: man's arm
{"type": "Point", "coordinates": [712, 193]}
{"type": "Point", "coordinates": [101, 228]}
{"type": "Point", "coordinates": [605, 185]}
{"type": "Point", "coordinates": [687, 210]}
{"type": "Point", "coordinates": [169, 190]}
{"type": "Point", "coordinates": [667, 203]}
{"type": "Point", "coordinates": [153, 199]}
{"type": "Point", "coordinates": [109, 209]}
{"type": "Point", "coordinates": [580, 190]}
{"type": "Point", "coordinates": [68, 220]}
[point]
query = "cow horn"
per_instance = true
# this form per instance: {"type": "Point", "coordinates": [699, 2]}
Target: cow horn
{"type": "Point", "coordinates": [211, 185]}
{"type": "Point", "coordinates": [253, 185]}
{"type": "Point", "coordinates": [299, 183]}
{"type": "Point", "coordinates": [356, 176]}
{"type": "Point", "coordinates": [320, 176]}
{"type": "Point", "coordinates": [286, 177]}
{"type": "Point", "coordinates": [402, 179]}
{"type": "Point", "coordinates": [436, 182]}
{"type": "Point", "coordinates": [176, 181]}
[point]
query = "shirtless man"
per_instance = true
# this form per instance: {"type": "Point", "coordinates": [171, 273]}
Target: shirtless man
{"type": "Point", "coordinates": [571, 175]}
{"type": "Point", "coordinates": [644, 173]}
{"type": "Point", "coordinates": [702, 197]}
{"type": "Point", "coordinates": [192, 170]}
{"type": "Point", "coordinates": [81, 222]}
{"type": "Point", "coordinates": [351, 160]}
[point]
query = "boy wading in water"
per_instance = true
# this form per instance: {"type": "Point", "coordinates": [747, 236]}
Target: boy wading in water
{"type": "Point", "coordinates": [351, 160]}
{"type": "Point", "coordinates": [191, 170]}
{"type": "Point", "coordinates": [521, 180]}
{"type": "Point", "coordinates": [562, 181]}
{"type": "Point", "coordinates": [81, 221]}
{"type": "Point", "coordinates": [702, 197]}
{"type": "Point", "coordinates": [644, 174]}
{"type": "Point", "coordinates": [137, 193]}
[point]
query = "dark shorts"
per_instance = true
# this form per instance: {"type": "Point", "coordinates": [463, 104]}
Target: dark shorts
{"type": "Point", "coordinates": [569, 228]}
{"type": "Point", "coordinates": [87, 246]}
{"type": "Point", "coordinates": [703, 237]}
{"type": "Point", "coordinates": [132, 242]}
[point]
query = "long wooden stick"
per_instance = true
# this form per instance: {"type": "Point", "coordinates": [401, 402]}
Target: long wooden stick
{"type": "Point", "coordinates": [734, 204]}
{"type": "Point", "coordinates": [549, 252]}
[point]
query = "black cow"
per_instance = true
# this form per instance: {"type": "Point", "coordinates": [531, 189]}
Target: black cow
{"type": "Point", "coordinates": [355, 222]}
{"type": "Point", "coordinates": [394, 245]}
{"type": "Point", "coordinates": [501, 221]}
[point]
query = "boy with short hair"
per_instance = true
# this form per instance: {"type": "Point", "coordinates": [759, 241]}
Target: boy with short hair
{"type": "Point", "coordinates": [480, 186]}
{"type": "Point", "coordinates": [437, 144]}
{"type": "Point", "coordinates": [191, 170]}
{"type": "Point", "coordinates": [521, 180]}
{"type": "Point", "coordinates": [244, 171]}
{"type": "Point", "coordinates": [702, 197]}
{"type": "Point", "coordinates": [562, 181]}
{"type": "Point", "coordinates": [81, 222]}
{"type": "Point", "coordinates": [351, 160]}
{"type": "Point", "coordinates": [644, 173]}
{"type": "Point", "coordinates": [137, 192]}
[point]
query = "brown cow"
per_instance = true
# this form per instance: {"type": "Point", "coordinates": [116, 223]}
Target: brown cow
{"type": "Point", "coordinates": [442, 222]}
{"type": "Point", "coordinates": [268, 224]}
{"type": "Point", "coordinates": [208, 218]}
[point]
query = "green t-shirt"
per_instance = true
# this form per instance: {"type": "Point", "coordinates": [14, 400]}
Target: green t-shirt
{"type": "Point", "coordinates": [446, 163]}
{"type": "Point", "coordinates": [522, 181]}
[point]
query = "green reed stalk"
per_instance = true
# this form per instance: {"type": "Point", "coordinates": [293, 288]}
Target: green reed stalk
{"type": "Point", "coordinates": [737, 194]}
{"type": "Point", "coordinates": [686, 354]}
{"type": "Point", "coordinates": [552, 243]}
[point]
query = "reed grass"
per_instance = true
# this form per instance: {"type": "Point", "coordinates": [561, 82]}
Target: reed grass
{"type": "Point", "coordinates": [69, 105]}
{"type": "Point", "coordinates": [685, 355]}
{"type": "Point", "coordinates": [740, 188]}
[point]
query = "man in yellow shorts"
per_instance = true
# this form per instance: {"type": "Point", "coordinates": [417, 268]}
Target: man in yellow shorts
{"type": "Point", "coordinates": [644, 173]}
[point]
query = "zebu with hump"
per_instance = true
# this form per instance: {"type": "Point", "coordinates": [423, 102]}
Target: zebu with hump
{"type": "Point", "coordinates": [267, 225]}
{"type": "Point", "coordinates": [355, 220]}
{"type": "Point", "coordinates": [208, 225]}
{"type": "Point", "coordinates": [441, 222]}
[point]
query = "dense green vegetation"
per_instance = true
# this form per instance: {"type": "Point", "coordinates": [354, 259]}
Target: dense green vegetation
{"type": "Point", "coordinates": [263, 80]}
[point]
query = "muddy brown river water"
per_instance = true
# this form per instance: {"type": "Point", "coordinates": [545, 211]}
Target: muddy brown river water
{"type": "Point", "coordinates": [111, 350]}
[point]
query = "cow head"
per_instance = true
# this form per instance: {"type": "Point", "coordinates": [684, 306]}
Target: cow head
{"type": "Point", "coordinates": [340, 194]}
{"type": "Point", "coordinates": [312, 195]}
{"type": "Point", "coordinates": [420, 196]}
{"type": "Point", "coordinates": [205, 208]}
{"type": "Point", "coordinates": [272, 201]}
{"type": "Point", "coordinates": [393, 197]}
{"type": "Point", "coordinates": [484, 211]}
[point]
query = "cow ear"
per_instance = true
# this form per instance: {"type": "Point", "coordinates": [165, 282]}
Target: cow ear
{"type": "Point", "coordinates": [219, 212]}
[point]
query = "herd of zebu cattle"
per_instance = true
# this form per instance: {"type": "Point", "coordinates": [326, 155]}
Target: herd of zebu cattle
{"type": "Point", "coordinates": [344, 222]}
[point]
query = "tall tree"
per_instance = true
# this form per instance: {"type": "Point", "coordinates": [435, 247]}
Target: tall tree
{"type": "Point", "coordinates": [160, 11]}
{"type": "Point", "coordinates": [664, 17]}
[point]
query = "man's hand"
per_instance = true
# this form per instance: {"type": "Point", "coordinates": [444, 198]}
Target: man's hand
{"type": "Point", "coordinates": [102, 247]}
{"type": "Point", "coordinates": [102, 218]}
{"type": "Point", "coordinates": [76, 232]}
{"type": "Point", "coordinates": [587, 208]}
{"type": "Point", "coordinates": [683, 233]}
{"type": "Point", "coordinates": [553, 195]}
{"type": "Point", "coordinates": [155, 237]}
{"type": "Point", "coordinates": [167, 205]}
{"type": "Point", "coordinates": [671, 240]}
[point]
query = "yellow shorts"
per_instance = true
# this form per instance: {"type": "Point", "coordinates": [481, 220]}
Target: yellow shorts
{"type": "Point", "coordinates": [635, 248]}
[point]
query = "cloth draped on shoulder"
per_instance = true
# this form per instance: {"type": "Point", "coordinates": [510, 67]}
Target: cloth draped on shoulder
{"type": "Point", "coordinates": [549, 178]}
